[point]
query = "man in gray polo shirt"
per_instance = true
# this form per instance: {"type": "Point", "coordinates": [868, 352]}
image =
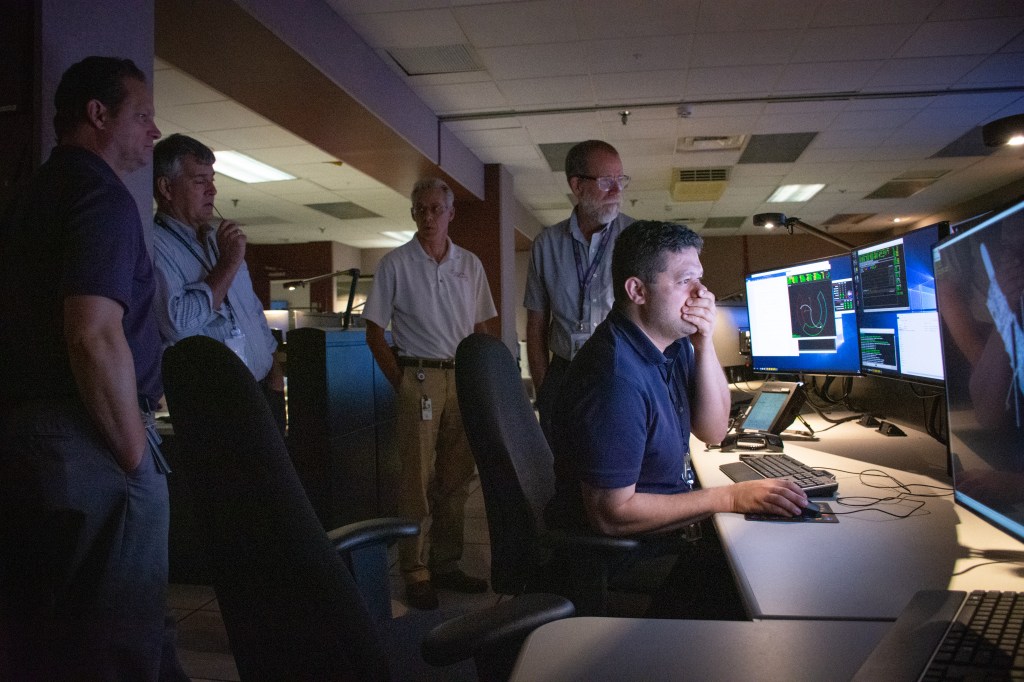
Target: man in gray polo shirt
{"type": "Point", "coordinates": [569, 285]}
{"type": "Point", "coordinates": [434, 294]}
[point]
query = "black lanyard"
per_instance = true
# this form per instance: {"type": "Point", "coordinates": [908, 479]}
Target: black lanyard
{"type": "Point", "coordinates": [174, 233]}
{"type": "Point", "coordinates": [585, 277]}
{"type": "Point", "coordinates": [202, 261]}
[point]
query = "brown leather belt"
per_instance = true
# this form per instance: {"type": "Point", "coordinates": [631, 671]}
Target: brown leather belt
{"type": "Point", "coordinates": [406, 361]}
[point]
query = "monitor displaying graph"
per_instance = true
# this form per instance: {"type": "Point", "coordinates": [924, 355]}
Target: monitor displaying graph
{"type": "Point", "coordinates": [802, 318]}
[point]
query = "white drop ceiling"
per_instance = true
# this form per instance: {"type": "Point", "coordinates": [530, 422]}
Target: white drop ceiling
{"type": "Point", "coordinates": [885, 86]}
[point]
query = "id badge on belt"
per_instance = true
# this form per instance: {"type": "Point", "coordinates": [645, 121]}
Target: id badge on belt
{"type": "Point", "coordinates": [236, 342]}
{"type": "Point", "coordinates": [153, 439]}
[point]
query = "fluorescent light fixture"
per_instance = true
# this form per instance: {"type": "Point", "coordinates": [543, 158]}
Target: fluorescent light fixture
{"type": "Point", "coordinates": [794, 193]}
{"type": "Point", "coordinates": [401, 236]}
{"type": "Point", "coordinates": [247, 169]}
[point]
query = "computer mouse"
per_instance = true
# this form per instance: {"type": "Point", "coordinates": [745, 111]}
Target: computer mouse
{"type": "Point", "coordinates": [811, 510]}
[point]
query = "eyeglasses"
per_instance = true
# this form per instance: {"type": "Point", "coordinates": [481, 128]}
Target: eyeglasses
{"type": "Point", "coordinates": [423, 211]}
{"type": "Point", "coordinates": [606, 182]}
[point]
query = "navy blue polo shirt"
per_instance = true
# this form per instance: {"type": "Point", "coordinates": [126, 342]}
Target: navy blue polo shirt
{"type": "Point", "coordinates": [622, 417]}
{"type": "Point", "coordinates": [75, 230]}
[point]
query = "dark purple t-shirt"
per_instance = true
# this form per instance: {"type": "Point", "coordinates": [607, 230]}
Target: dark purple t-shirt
{"type": "Point", "coordinates": [74, 230]}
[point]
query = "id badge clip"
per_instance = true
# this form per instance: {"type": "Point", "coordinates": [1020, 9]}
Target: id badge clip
{"type": "Point", "coordinates": [576, 341]}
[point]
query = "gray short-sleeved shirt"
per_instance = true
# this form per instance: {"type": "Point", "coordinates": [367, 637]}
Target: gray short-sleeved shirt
{"type": "Point", "coordinates": [431, 306]}
{"type": "Point", "coordinates": [553, 283]}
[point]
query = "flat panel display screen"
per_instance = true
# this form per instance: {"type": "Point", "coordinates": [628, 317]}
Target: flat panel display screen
{"type": "Point", "coordinates": [979, 277]}
{"type": "Point", "coordinates": [895, 302]}
{"type": "Point", "coordinates": [802, 318]}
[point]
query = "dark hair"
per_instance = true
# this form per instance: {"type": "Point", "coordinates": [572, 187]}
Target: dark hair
{"type": "Point", "coordinates": [169, 153]}
{"type": "Point", "coordinates": [99, 78]}
{"type": "Point", "coordinates": [579, 156]}
{"type": "Point", "coordinates": [641, 250]}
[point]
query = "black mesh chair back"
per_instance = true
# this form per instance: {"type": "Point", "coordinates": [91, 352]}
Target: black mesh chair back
{"type": "Point", "coordinates": [290, 606]}
{"type": "Point", "coordinates": [512, 457]}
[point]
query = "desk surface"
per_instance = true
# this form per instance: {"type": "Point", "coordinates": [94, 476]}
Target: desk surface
{"type": "Point", "coordinates": [613, 649]}
{"type": "Point", "coordinates": [868, 565]}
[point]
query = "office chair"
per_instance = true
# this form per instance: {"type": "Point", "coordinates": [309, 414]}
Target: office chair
{"type": "Point", "coordinates": [290, 605]}
{"type": "Point", "coordinates": [517, 477]}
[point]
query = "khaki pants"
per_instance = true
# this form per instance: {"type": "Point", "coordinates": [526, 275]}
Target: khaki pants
{"type": "Point", "coordinates": [437, 467]}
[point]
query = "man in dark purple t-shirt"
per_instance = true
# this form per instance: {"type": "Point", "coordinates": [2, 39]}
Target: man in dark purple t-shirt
{"type": "Point", "coordinates": [83, 496]}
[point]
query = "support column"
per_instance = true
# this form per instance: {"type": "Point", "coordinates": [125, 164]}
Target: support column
{"type": "Point", "coordinates": [70, 30]}
{"type": "Point", "coordinates": [487, 228]}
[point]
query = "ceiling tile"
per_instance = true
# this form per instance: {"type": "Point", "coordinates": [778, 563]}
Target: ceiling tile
{"type": "Point", "coordinates": [517, 23]}
{"type": "Point", "coordinates": [933, 72]}
{"type": "Point", "coordinates": [533, 61]}
{"type": "Point", "coordinates": [561, 91]}
{"type": "Point", "coordinates": [974, 36]}
{"type": "Point", "coordinates": [616, 19]}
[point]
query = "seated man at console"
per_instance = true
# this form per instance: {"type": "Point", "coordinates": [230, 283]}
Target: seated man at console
{"type": "Point", "coordinates": [646, 378]}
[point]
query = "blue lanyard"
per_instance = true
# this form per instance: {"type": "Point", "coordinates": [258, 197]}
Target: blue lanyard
{"type": "Point", "coordinates": [585, 277]}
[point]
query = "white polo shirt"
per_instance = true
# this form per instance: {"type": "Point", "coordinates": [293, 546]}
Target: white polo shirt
{"type": "Point", "coordinates": [431, 306]}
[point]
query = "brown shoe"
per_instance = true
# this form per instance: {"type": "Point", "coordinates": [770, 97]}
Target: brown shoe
{"type": "Point", "coordinates": [460, 582]}
{"type": "Point", "coordinates": [421, 595]}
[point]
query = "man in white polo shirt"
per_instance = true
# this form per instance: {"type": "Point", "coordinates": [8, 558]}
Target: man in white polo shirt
{"type": "Point", "coordinates": [434, 294]}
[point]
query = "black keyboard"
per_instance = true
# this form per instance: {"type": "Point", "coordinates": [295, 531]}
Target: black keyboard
{"type": "Point", "coordinates": [814, 482]}
{"type": "Point", "coordinates": [986, 636]}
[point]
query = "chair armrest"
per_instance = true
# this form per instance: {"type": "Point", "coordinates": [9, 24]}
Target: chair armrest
{"type": "Point", "coordinates": [387, 531]}
{"type": "Point", "coordinates": [509, 622]}
{"type": "Point", "coordinates": [604, 544]}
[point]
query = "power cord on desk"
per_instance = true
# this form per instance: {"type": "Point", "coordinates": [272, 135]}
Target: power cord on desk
{"type": "Point", "coordinates": [993, 556]}
{"type": "Point", "coordinates": [906, 494]}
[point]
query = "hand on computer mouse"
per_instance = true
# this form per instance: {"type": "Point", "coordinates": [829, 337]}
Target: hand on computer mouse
{"type": "Point", "coordinates": [811, 510]}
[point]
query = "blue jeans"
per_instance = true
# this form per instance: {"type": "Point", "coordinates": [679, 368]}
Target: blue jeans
{"type": "Point", "coordinates": [83, 551]}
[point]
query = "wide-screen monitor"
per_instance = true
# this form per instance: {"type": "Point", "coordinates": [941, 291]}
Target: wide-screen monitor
{"type": "Point", "coordinates": [895, 295]}
{"type": "Point", "coordinates": [802, 318]}
{"type": "Point", "coordinates": [979, 277]}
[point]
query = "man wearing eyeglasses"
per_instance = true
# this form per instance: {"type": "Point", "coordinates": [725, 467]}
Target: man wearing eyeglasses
{"type": "Point", "coordinates": [434, 294]}
{"type": "Point", "coordinates": [569, 285]}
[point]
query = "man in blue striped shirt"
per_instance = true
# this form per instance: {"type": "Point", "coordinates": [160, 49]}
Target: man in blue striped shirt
{"type": "Point", "coordinates": [202, 283]}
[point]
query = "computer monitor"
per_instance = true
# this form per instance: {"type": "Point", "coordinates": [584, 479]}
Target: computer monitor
{"type": "Point", "coordinates": [802, 318]}
{"type": "Point", "coordinates": [774, 407]}
{"type": "Point", "coordinates": [730, 323]}
{"type": "Point", "coordinates": [979, 277]}
{"type": "Point", "coordinates": [895, 300]}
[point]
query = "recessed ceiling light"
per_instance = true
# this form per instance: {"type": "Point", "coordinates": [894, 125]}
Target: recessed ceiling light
{"type": "Point", "coordinates": [247, 169]}
{"type": "Point", "coordinates": [794, 193]}
{"type": "Point", "coordinates": [897, 220]}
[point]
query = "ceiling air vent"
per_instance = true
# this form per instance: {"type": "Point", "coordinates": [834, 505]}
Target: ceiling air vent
{"type": "Point", "coordinates": [709, 143]}
{"type": "Point", "coordinates": [422, 61]}
{"type": "Point", "coordinates": [698, 184]}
